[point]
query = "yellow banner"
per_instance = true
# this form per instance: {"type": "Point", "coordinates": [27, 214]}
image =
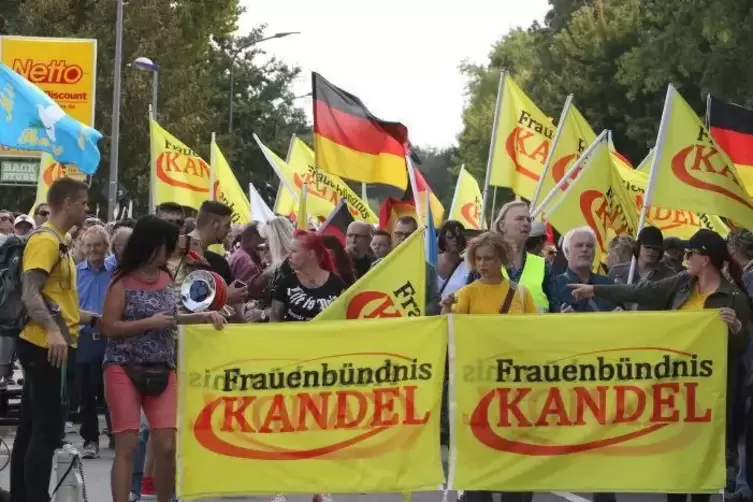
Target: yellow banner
{"type": "Point", "coordinates": [575, 136]}
{"type": "Point", "coordinates": [64, 68]}
{"type": "Point", "coordinates": [522, 142]}
{"type": "Point", "coordinates": [180, 175]}
{"type": "Point", "coordinates": [466, 203]}
{"type": "Point", "coordinates": [693, 172]}
{"type": "Point", "coordinates": [596, 198]}
{"type": "Point", "coordinates": [335, 407]}
{"type": "Point", "coordinates": [325, 190]}
{"type": "Point", "coordinates": [550, 403]}
{"type": "Point", "coordinates": [227, 189]}
{"type": "Point", "coordinates": [394, 287]}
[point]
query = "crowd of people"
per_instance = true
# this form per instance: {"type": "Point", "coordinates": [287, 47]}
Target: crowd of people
{"type": "Point", "coordinates": [103, 301]}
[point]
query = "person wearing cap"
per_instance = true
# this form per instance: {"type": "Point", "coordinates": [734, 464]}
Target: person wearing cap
{"type": "Point", "coordinates": [674, 253]}
{"type": "Point", "coordinates": [23, 225]}
{"type": "Point", "coordinates": [536, 239]}
{"type": "Point", "coordinates": [702, 286]}
{"type": "Point", "coordinates": [648, 251]}
{"type": "Point", "coordinates": [514, 224]}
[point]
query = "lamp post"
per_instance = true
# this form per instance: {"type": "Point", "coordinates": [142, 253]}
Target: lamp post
{"type": "Point", "coordinates": [146, 64]}
{"type": "Point", "coordinates": [112, 187]}
{"type": "Point", "coordinates": [235, 55]}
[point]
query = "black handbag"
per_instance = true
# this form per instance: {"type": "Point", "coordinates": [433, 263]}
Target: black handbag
{"type": "Point", "coordinates": [149, 379]}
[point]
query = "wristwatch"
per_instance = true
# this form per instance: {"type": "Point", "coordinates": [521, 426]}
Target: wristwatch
{"type": "Point", "coordinates": [93, 321]}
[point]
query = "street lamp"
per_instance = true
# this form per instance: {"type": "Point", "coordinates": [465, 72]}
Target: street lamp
{"type": "Point", "coordinates": [146, 64]}
{"type": "Point", "coordinates": [235, 55]}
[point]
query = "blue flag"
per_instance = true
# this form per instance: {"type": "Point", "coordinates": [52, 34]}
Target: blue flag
{"type": "Point", "coordinates": [31, 120]}
{"type": "Point", "coordinates": [432, 245]}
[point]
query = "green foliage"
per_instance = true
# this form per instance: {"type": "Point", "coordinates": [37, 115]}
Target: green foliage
{"type": "Point", "coordinates": [193, 42]}
{"type": "Point", "coordinates": [617, 58]}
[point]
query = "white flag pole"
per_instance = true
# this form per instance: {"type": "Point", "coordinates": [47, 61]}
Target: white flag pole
{"type": "Point", "coordinates": [552, 148]}
{"type": "Point", "coordinates": [658, 150]}
{"type": "Point", "coordinates": [601, 137]}
{"type": "Point", "coordinates": [493, 143]}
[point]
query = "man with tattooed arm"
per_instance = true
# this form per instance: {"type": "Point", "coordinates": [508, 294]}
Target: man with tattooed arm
{"type": "Point", "coordinates": [48, 339]}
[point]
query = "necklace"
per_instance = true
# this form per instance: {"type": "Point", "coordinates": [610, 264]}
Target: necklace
{"type": "Point", "coordinates": [149, 277]}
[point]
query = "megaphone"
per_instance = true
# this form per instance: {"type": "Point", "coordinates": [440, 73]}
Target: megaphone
{"type": "Point", "coordinates": [203, 290]}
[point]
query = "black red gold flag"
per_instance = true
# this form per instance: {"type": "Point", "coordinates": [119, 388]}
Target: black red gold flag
{"type": "Point", "coordinates": [337, 222]}
{"type": "Point", "coordinates": [351, 142]}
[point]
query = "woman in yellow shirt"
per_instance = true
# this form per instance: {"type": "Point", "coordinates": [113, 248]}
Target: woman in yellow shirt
{"type": "Point", "coordinates": [492, 292]}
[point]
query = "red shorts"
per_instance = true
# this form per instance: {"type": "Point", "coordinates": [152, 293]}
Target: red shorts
{"type": "Point", "coordinates": [125, 402]}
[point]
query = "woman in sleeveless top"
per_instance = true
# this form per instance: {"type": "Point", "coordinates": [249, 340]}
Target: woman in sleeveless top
{"type": "Point", "coordinates": [139, 321]}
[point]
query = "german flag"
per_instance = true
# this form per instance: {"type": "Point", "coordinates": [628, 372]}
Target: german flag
{"type": "Point", "coordinates": [393, 209]}
{"type": "Point", "coordinates": [731, 127]}
{"type": "Point", "coordinates": [352, 143]}
{"type": "Point", "coordinates": [337, 222]}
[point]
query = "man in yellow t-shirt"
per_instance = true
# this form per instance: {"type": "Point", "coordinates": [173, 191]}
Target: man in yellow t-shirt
{"type": "Point", "coordinates": [50, 298]}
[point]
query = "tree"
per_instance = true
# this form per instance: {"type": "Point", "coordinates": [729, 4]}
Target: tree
{"type": "Point", "coordinates": [436, 166]}
{"type": "Point", "coordinates": [192, 40]}
{"type": "Point", "coordinates": [617, 58]}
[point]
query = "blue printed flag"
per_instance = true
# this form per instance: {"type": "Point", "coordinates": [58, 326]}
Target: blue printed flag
{"type": "Point", "coordinates": [31, 120]}
{"type": "Point", "coordinates": [432, 245]}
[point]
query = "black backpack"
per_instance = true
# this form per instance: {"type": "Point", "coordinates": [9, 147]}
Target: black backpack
{"type": "Point", "coordinates": [12, 311]}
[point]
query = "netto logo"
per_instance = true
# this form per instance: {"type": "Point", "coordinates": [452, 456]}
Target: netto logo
{"type": "Point", "coordinates": [56, 71]}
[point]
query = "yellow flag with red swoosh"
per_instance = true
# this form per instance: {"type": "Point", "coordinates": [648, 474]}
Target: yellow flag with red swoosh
{"type": "Point", "coordinates": [692, 171]}
{"type": "Point", "coordinates": [598, 199]}
{"type": "Point", "coordinates": [325, 190]}
{"type": "Point", "coordinates": [521, 145]}
{"type": "Point", "coordinates": [180, 175]}
{"type": "Point", "coordinates": [394, 287]}
{"type": "Point", "coordinates": [680, 223]}
{"type": "Point", "coordinates": [574, 136]}
{"type": "Point", "coordinates": [466, 203]}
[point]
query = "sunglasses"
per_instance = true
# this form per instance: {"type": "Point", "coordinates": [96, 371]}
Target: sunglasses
{"type": "Point", "coordinates": [690, 252]}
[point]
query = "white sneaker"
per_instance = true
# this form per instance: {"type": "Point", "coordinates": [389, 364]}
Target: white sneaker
{"type": "Point", "coordinates": [280, 498]}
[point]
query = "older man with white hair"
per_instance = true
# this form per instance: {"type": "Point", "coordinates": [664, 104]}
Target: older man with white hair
{"type": "Point", "coordinates": [579, 247]}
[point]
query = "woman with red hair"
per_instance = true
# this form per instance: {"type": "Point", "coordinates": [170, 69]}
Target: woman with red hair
{"type": "Point", "coordinates": [313, 285]}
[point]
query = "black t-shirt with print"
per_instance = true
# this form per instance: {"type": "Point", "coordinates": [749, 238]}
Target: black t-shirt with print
{"type": "Point", "coordinates": [303, 303]}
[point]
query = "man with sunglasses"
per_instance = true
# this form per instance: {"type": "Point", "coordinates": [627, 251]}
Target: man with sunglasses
{"type": "Point", "coordinates": [6, 222]}
{"type": "Point", "coordinates": [648, 251]}
{"type": "Point", "coordinates": [41, 214]}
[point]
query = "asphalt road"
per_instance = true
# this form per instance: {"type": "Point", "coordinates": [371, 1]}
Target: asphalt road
{"type": "Point", "coordinates": [97, 476]}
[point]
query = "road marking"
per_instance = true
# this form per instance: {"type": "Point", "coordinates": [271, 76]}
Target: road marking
{"type": "Point", "coordinates": [571, 497]}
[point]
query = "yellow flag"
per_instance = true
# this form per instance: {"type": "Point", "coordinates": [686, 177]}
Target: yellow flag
{"type": "Point", "coordinates": [301, 219]}
{"type": "Point", "coordinates": [51, 170]}
{"type": "Point", "coordinates": [325, 190]}
{"type": "Point", "coordinates": [522, 142]}
{"type": "Point", "coordinates": [466, 203]}
{"type": "Point", "coordinates": [394, 287]}
{"type": "Point", "coordinates": [575, 134]}
{"type": "Point", "coordinates": [672, 222]}
{"type": "Point", "coordinates": [692, 172]}
{"type": "Point", "coordinates": [596, 198]}
{"type": "Point", "coordinates": [228, 190]}
{"type": "Point", "coordinates": [180, 175]}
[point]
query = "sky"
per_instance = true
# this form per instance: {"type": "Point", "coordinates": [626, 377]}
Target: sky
{"type": "Point", "coordinates": [400, 57]}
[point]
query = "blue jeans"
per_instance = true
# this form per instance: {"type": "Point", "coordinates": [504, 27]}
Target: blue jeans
{"type": "Point", "coordinates": [138, 459]}
{"type": "Point", "coordinates": [741, 484]}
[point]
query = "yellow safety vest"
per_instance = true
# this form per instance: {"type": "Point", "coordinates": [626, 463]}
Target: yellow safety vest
{"type": "Point", "coordinates": [532, 279]}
